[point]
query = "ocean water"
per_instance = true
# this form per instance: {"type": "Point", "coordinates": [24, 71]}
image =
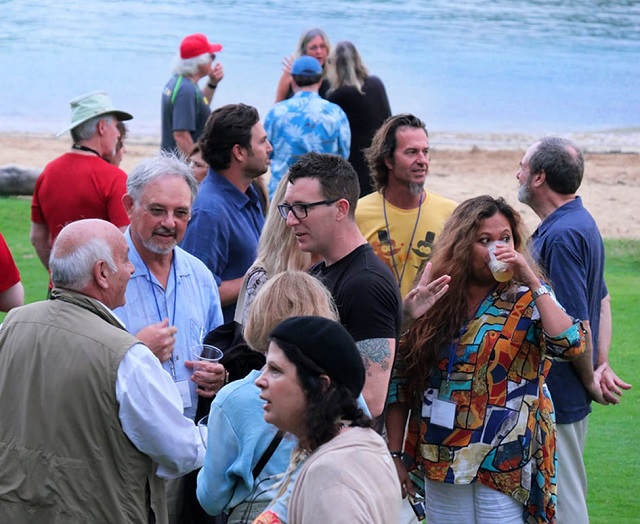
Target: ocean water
{"type": "Point", "coordinates": [479, 66]}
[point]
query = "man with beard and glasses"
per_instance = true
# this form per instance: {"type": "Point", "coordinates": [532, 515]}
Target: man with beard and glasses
{"type": "Point", "coordinates": [401, 219]}
{"type": "Point", "coordinates": [172, 300]}
{"type": "Point", "coordinates": [227, 215]}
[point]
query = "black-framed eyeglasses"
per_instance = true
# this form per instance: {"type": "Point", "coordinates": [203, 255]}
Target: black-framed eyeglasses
{"type": "Point", "coordinates": [301, 211]}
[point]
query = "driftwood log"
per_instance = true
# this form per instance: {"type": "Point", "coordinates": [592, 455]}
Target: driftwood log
{"type": "Point", "coordinates": [17, 180]}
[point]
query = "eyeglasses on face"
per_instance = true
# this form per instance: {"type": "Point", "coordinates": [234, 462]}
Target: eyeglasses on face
{"type": "Point", "coordinates": [315, 47]}
{"type": "Point", "coordinates": [301, 211]}
{"type": "Point", "coordinates": [180, 214]}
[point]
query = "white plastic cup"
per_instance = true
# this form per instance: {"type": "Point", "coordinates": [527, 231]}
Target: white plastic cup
{"type": "Point", "coordinates": [500, 270]}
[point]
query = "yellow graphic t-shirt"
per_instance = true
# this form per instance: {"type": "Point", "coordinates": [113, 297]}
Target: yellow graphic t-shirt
{"type": "Point", "coordinates": [392, 244]}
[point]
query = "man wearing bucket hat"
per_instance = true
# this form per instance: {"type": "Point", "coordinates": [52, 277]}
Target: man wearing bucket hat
{"type": "Point", "coordinates": [80, 183]}
{"type": "Point", "coordinates": [185, 107]}
{"type": "Point", "coordinates": [305, 123]}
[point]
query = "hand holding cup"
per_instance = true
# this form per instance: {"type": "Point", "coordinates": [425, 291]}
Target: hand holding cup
{"type": "Point", "coordinates": [208, 374]}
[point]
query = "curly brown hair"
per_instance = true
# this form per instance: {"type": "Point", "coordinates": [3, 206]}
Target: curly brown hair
{"type": "Point", "coordinates": [441, 324]}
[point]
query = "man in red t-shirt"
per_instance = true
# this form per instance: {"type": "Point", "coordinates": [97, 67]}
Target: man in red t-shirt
{"type": "Point", "coordinates": [11, 290]}
{"type": "Point", "coordinates": [81, 184]}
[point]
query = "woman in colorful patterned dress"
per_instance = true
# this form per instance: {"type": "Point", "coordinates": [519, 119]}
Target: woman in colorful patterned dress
{"type": "Point", "coordinates": [474, 368]}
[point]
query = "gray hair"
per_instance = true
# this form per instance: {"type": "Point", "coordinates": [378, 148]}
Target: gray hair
{"type": "Point", "coordinates": [162, 164]}
{"type": "Point", "coordinates": [88, 129]}
{"type": "Point", "coordinates": [562, 163]}
{"type": "Point", "coordinates": [189, 66]}
{"type": "Point", "coordinates": [74, 270]}
{"type": "Point", "coordinates": [309, 35]}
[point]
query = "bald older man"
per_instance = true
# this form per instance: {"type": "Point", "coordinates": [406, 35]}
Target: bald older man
{"type": "Point", "coordinates": [76, 444]}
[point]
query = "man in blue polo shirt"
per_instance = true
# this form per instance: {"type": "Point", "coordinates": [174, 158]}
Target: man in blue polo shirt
{"type": "Point", "coordinates": [227, 217]}
{"type": "Point", "coordinates": [568, 245]}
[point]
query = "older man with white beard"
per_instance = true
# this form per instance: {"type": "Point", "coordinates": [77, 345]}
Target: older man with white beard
{"type": "Point", "coordinates": [172, 300]}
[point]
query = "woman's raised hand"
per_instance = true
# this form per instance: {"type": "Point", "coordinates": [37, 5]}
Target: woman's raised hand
{"type": "Point", "coordinates": [422, 297]}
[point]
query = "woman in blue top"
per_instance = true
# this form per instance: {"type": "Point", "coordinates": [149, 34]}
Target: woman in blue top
{"type": "Point", "coordinates": [238, 435]}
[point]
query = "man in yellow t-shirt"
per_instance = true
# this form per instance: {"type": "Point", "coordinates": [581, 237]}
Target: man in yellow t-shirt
{"type": "Point", "coordinates": [401, 220]}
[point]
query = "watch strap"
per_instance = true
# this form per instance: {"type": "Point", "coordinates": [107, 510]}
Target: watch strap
{"type": "Point", "coordinates": [540, 291]}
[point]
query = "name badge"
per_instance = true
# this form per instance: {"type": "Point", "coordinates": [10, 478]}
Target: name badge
{"type": "Point", "coordinates": [427, 401]}
{"type": "Point", "coordinates": [185, 392]}
{"type": "Point", "coordinates": [443, 413]}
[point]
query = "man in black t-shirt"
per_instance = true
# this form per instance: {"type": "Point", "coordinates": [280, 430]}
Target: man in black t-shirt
{"type": "Point", "coordinates": [319, 206]}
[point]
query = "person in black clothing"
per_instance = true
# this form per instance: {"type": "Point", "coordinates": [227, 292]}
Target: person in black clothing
{"type": "Point", "coordinates": [363, 98]}
{"type": "Point", "coordinates": [319, 206]}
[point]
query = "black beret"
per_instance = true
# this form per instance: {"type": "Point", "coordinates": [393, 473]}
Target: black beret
{"type": "Point", "coordinates": [328, 345]}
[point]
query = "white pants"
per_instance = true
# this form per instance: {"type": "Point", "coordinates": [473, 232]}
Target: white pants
{"type": "Point", "coordinates": [571, 476]}
{"type": "Point", "coordinates": [470, 504]}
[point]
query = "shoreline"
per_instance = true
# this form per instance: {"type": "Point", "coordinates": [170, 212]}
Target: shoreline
{"type": "Point", "coordinates": [462, 166]}
{"type": "Point", "coordinates": [608, 141]}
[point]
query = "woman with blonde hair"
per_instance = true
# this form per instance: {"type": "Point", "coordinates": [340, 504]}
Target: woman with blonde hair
{"type": "Point", "coordinates": [238, 436]}
{"type": "Point", "coordinates": [315, 43]}
{"type": "Point", "coordinates": [363, 98]}
{"type": "Point", "coordinates": [278, 251]}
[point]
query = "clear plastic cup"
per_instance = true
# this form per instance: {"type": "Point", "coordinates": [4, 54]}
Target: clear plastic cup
{"type": "Point", "coordinates": [500, 270]}
{"type": "Point", "coordinates": [205, 353]}
{"type": "Point", "coordinates": [203, 428]}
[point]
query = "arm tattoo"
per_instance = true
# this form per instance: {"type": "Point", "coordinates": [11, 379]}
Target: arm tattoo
{"type": "Point", "coordinates": [375, 351]}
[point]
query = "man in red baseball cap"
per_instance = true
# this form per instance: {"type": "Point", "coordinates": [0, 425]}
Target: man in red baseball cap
{"type": "Point", "coordinates": [185, 106]}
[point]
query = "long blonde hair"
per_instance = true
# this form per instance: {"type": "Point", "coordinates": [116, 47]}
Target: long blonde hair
{"type": "Point", "coordinates": [287, 294]}
{"type": "Point", "coordinates": [278, 248]}
{"type": "Point", "coordinates": [309, 35]}
{"type": "Point", "coordinates": [346, 67]}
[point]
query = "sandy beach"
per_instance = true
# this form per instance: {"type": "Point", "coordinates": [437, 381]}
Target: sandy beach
{"type": "Point", "coordinates": [461, 167]}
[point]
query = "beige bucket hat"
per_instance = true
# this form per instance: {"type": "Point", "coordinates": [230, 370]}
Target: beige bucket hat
{"type": "Point", "coordinates": [87, 106]}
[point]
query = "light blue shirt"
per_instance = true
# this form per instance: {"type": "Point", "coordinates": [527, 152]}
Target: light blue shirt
{"type": "Point", "coordinates": [304, 123]}
{"type": "Point", "coordinates": [237, 437]}
{"type": "Point", "coordinates": [193, 307]}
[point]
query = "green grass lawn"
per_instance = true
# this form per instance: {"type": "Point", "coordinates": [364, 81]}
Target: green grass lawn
{"type": "Point", "coordinates": [611, 456]}
{"type": "Point", "coordinates": [15, 220]}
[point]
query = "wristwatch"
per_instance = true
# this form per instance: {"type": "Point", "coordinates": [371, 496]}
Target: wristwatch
{"type": "Point", "coordinates": [539, 292]}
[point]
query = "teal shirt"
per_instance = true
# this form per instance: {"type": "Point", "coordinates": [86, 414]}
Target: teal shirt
{"type": "Point", "coordinates": [304, 123]}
